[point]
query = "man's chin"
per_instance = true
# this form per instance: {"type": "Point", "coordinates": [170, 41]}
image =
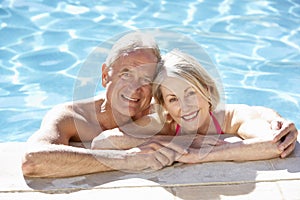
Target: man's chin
{"type": "Point", "coordinates": [126, 113]}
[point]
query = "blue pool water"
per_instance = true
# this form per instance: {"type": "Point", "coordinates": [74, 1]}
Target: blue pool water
{"type": "Point", "coordinates": [44, 44]}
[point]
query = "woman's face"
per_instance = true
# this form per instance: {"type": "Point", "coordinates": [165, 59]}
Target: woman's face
{"type": "Point", "coordinates": [185, 104]}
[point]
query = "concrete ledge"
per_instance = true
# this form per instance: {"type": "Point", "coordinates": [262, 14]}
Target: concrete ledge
{"type": "Point", "coordinates": [279, 178]}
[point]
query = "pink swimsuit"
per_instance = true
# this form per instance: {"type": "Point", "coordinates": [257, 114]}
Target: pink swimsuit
{"type": "Point", "coordinates": [216, 123]}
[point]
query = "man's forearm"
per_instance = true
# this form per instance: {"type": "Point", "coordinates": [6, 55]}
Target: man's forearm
{"type": "Point", "coordinates": [64, 161]}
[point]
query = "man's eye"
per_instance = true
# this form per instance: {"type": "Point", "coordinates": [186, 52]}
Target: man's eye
{"type": "Point", "coordinates": [126, 75]}
{"type": "Point", "coordinates": [146, 81]}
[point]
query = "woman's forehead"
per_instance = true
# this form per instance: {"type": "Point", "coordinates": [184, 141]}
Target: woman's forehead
{"type": "Point", "coordinates": [175, 84]}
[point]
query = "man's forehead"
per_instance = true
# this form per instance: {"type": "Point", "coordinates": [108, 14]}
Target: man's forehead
{"type": "Point", "coordinates": [138, 61]}
{"type": "Point", "coordinates": [139, 56]}
{"type": "Point", "coordinates": [145, 69]}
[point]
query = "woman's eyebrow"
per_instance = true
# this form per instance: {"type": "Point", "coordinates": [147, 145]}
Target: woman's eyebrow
{"type": "Point", "coordinates": [169, 95]}
{"type": "Point", "coordinates": [188, 88]}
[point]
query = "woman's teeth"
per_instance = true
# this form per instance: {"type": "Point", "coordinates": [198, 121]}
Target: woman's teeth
{"type": "Point", "coordinates": [190, 116]}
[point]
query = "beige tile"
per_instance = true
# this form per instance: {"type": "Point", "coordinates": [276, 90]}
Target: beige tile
{"type": "Point", "coordinates": [240, 191]}
{"type": "Point", "coordinates": [290, 189]}
{"type": "Point", "coordinates": [220, 180]}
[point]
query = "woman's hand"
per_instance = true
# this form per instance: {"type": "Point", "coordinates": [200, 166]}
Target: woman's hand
{"type": "Point", "coordinates": [286, 134]}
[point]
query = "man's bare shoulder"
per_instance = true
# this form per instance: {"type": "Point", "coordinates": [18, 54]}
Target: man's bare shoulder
{"type": "Point", "coordinates": [98, 99]}
{"type": "Point", "coordinates": [88, 107]}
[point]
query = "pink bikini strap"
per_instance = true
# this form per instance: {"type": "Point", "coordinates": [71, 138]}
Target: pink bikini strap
{"type": "Point", "coordinates": [177, 130]}
{"type": "Point", "coordinates": [216, 123]}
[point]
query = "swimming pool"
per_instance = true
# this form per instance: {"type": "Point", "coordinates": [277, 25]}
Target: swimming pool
{"type": "Point", "coordinates": [43, 44]}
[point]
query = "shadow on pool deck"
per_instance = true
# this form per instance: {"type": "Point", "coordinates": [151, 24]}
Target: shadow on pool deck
{"type": "Point", "coordinates": [279, 178]}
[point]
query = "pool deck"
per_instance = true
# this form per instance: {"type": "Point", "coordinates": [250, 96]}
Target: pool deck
{"type": "Point", "coordinates": [276, 178]}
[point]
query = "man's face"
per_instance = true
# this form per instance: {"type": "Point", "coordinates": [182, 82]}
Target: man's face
{"type": "Point", "coordinates": [128, 82]}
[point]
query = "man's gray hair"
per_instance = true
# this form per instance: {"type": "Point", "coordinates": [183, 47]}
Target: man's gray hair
{"type": "Point", "coordinates": [131, 42]}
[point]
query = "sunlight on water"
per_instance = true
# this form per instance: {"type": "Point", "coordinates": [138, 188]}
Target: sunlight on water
{"type": "Point", "coordinates": [44, 44]}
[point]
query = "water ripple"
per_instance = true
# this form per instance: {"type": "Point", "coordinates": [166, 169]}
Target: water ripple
{"type": "Point", "coordinates": [43, 45]}
{"type": "Point", "coordinates": [49, 60]}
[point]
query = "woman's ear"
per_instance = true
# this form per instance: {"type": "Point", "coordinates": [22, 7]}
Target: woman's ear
{"type": "Point", "coordinates": [104, 75]}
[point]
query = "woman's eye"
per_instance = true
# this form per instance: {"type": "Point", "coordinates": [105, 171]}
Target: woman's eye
{"type": "Point", "coordinates": [171, 100]}
{"type": "Point", "coordinates": [191, 93]}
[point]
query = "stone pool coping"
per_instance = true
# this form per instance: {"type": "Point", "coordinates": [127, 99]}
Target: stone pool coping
{"type": "Point", "coordinates": [279, 178]}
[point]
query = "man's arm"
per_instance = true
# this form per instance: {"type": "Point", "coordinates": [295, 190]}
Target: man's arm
{"type": "Point", "coordinates": [48, 153]}
{"type": "Point", "coordinates": [65, 161]}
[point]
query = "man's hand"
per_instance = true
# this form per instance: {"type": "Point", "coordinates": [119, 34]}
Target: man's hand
{"type": "Point", "coordinates": [151, 156]}
{"type": "Point", "coordinates": [286, 134]}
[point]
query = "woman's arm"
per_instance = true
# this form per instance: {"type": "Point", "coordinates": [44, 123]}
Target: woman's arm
{"type": "Point", "coordinates": [130, 135]}
{"type": "Point", "coordinates": [245, 150]}
{"type": "Point", "coordinates": [261, 122]}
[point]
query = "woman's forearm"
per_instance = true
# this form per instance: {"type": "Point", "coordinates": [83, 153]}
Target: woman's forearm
{"type": "Point", "coordinates": [246, 150]}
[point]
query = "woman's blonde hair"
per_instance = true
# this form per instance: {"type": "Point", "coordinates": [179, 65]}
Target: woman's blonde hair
{"type": "Point", "coordinates": [182, 65]}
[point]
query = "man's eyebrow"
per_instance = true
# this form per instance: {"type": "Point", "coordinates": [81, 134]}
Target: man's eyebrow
{"type": "Point", "coordinates": [125, 69]}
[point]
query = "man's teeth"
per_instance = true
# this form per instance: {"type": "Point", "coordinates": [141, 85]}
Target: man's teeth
{"type": "Point", "coordinates": [128, 98]}
{"type": "Point", "coordinates": [191, 116]}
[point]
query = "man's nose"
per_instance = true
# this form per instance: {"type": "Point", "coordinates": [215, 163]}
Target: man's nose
{"type": "Point", "coordinates": [135, 84]}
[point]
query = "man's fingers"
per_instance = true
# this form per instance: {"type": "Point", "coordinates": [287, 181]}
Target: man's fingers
{"type": "Point", "coordinates": [166, 156]}
{"type": "Point", "coordinates": [161, 156]}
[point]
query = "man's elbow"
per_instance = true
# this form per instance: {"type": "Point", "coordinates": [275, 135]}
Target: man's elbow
{"type": "Point", "coordinates": [30, 168]}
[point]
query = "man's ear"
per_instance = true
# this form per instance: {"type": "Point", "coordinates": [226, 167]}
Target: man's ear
{"type": "Point", "coordinates": [104, 75]}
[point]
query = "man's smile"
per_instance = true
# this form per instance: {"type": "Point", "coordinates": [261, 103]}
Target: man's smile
{"type": "Point", "coordinates": [127, 98]}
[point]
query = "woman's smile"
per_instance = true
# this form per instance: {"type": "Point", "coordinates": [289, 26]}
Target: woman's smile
{"type": "Point", "coordinates": [190, 116]}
